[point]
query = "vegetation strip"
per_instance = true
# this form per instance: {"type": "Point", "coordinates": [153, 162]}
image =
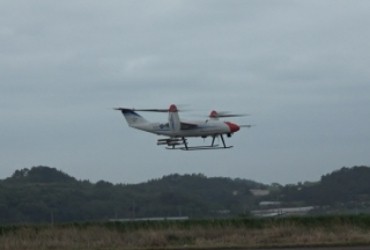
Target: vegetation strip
{"type": "Point", "coordinates": [195, 234]}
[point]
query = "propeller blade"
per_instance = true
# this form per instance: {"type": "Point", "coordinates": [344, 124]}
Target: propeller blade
{"type": "Point", "coordinates": [152, 110]}
{"type": "Point", "coordinates": [120, 108]}
{"type": "Point", "coordinates": [246, 126]}
{"type": "Point", "coordinates": [225, 114]}
{"type": "Point", "coordinates": [232, 115]}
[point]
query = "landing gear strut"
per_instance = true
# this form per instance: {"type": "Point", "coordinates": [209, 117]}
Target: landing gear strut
{"type": "Point", "coordinates": [222, 139]}
{"type": "Point", "coordinates": [185, 143]}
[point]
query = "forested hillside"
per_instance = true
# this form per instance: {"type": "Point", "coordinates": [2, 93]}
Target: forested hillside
{"type": "Point", "coordinates": [344, 186]}
{"type": "Point", "coordinates": [43, 195]}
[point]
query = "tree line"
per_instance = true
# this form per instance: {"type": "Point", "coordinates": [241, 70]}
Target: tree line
{"type": "Point", "coordinates": [43, 194]}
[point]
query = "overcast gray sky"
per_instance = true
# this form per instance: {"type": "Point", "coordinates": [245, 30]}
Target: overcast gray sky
{"type": "Point", "coordinates": [300, 68]}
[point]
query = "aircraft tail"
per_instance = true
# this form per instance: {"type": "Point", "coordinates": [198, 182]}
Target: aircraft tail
{"type": "Point", "coordinates": [132, 117]}
{"type": "Point", "coordinates": [174, 119]}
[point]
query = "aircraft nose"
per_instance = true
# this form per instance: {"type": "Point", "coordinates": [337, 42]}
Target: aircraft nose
{"type": "Point", "coordinates": [232, 126]}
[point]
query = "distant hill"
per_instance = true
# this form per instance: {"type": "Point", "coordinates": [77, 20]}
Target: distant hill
{"type": "Point", "coordinates": [40, 174]}
{"type": "Point", "coordinates": [342, 187]}
{"type": "Point", "coordinates": [43, 194]}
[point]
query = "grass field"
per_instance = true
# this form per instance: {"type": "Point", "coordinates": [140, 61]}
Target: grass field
{"type": "Point", "coordinates": [247, 233]}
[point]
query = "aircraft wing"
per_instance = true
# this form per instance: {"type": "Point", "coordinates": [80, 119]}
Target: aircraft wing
{"type": "Point", "coordinates": [188, 126]}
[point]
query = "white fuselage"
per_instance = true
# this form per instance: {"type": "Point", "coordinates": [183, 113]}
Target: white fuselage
{"type": "Point", "coordinates": [204, 128]}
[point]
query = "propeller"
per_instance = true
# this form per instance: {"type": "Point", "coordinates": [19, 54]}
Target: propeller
{"type": "Point", "coordinates": [246, 126]}
{"type": "Point", "coordinates": [151, 110]}
{"type": "Point", "coordinates": [225, 114]}
{"type": "Point", "coordinates": [172, 108]}
{"type": "Point", "coordinates": [144, 110]}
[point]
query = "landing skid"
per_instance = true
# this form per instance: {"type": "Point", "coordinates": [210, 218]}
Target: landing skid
{"type": "Point", "coordinates": [199, 148]}
{"type": "Point", "coordinates": [186, 147]}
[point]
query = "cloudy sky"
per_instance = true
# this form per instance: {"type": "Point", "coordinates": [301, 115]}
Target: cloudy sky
{"type": "Point", "coordinates": [299, 68]}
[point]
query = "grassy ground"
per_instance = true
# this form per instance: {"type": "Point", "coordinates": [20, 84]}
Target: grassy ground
{"type": "Point", "coordinates": [238, 233]}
